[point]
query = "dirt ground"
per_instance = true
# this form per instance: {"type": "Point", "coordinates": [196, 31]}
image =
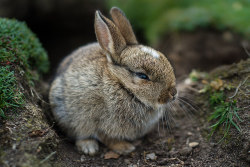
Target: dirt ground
{"type": "Point", "coordinates": [203, 50]}
{"type": "Point", "coordinates": [181, 141]}
{"type": "Point", "coordinates": [171, 146]}
{"type": "Point", "coordinates": [170, 142]}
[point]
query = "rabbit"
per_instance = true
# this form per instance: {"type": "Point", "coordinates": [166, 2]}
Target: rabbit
{"type": "Point", "coordinates": [113, 91]}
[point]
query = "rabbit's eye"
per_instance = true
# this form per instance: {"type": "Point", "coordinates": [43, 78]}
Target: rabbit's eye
{"type": "Point", "coordinates": [142, 76]}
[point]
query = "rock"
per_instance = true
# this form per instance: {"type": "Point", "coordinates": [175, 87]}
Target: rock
{"type": "Point", "coordinates": [151, 156]}
{"type": "Point", "coordinates": [188, 81]}
{"type": "Point", "coordinates": [83, 158]}
{"type": "Point", "coordinates": [186, 151]}
{"type": "Point", "coordinates": [212, 144]}
{"type": "Point", "coordinates": [193, 144]}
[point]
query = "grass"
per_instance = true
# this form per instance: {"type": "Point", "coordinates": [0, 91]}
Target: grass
{"type": "Point", "coordinates": [10, 95]}
{"type": "Point", "coordinates": [224, 113]}
{"type": "Point", "coordinates": [155, 18]}
{"type": "Point", "coordinates": [224, 109]}
{"type": "Point", "coordinates": [21, 55]}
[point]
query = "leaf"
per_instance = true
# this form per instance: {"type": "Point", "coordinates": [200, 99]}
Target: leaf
{"type": "Point", "coordinates": [111, 155]}
{"type": "Point", "coordinates": [236, 126]}
{"type": "Point", "coordinates": [38, 133]}
{"type": "Point", "coordinates": [217, 84]}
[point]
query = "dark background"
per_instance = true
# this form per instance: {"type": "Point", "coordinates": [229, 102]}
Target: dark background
{"type": "Point", "coordinates": [61, 25]}
{"type": "Point", "coordinates": [64, 25]}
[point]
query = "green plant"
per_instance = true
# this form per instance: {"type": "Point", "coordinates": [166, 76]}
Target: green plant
{"type": "Point", "coordinates": [216, 98]}
{"type": "Point", "coordinates": [20, 46]}
{"type": "Point", "coordinates": [10, 95]}
{"type": "Point", "coordinates": [196, 75]}
{"type": "Point", "coordinates": [225, 109]}
{"type": "Point", "coordinates": [158, 17]}
{"type": "Point", "coordinates": [225, 113]}
{"type": "Point", "coordinates": [22, 56]}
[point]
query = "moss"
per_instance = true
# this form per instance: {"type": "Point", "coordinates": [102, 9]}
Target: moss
{"type": "Point", "coordinates": [31, 160]}
{"type": "Point", "coordinates": [21, 55]}
{"type": "Point", "coordinates": [20, 46]}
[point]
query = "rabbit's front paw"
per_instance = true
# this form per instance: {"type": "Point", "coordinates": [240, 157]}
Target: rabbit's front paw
{"type": "Point", "coordinates": [87, 146]}
{"type": "Point", "coordinates": [122, 147]}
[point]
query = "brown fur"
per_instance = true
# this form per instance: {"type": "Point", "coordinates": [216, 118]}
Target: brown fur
{"type": "Point", "coordinates": [97, 94]}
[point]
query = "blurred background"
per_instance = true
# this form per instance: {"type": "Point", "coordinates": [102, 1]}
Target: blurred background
{"type": "Point", "coordinates": [192, 34]}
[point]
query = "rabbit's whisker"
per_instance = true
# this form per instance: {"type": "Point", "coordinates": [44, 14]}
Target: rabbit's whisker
{"type": "Point", "coordinates": [184, 109]}
{"type": "Point", "coordinates": [187, 103]}
{"type": "Point", "coordinates": [190, 101]}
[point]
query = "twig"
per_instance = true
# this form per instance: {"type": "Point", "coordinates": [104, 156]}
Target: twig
{"type": "Point", "coordinates": [247, 52]}
{"type": "Point", "coordinates": [245, 94]}
{"type": "Point", "coordinates": [237, 89]}
{"type": "Point", "coordinates": [246, 107]}
{"type": "Point", "coordinates": [48, 157]}
{"type": "Point", "coordinates": [245, 80]}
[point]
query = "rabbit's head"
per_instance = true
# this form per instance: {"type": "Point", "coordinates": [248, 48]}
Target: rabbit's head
{"type": "Point", "coordinates": [143, 71]}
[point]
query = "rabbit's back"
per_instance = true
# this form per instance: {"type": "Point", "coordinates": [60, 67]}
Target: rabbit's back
{"type": "Point", "coordinates": [75, 92]}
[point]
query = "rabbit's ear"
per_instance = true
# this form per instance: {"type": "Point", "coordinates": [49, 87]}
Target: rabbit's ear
{"type": "Point", "coordinates": [108, 35]}
{"type": "Point", "coordinates": [124, 25]}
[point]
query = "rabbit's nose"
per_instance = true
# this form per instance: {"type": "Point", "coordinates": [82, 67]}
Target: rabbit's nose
{"type": "Point", "coordinates": [173, 92]}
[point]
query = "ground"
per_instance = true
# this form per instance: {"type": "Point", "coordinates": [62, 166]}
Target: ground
{"type": "Point", "coordinates": [184, 141]}
{"type": "Point", "coordinates": [173, 146]}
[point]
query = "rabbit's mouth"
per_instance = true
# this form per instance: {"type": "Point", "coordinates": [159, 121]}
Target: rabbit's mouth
{"type": "Point", "coordinates": [168, 96]}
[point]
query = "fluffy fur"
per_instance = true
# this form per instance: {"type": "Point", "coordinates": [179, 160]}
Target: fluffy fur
{"type": "Point", "coordinates": [97, 94]}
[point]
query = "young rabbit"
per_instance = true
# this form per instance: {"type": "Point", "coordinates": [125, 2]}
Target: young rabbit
{"type": "Point", "coordinates": [113, 91]}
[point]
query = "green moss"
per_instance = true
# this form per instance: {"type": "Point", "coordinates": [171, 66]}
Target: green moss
{"type": "Point", "coordinates": [156, 18]}
{"type": "Point", "coordinates": [18, 45]}
{"type": "Point", "coordinates": [22, 55]}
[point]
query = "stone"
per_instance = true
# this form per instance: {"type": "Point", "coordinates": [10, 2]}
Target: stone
{"type": "Point", "coordinates": [193, 144]}
{"type": "Point", "coordinates": [151, 156]}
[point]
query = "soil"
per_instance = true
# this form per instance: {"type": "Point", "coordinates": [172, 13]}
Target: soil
{"type": "Point", "coordinates": [169, 144]}
{"type": "Point", "coordinates": [170, 140]}
{"type": "Point", "coordinates": [203, 50]}
{"type": "Point", "coordinates": [26, 137]}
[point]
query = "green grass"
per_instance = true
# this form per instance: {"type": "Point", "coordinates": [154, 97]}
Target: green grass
{"type": "Point", "coordinates": [158, 17]}
{"type": "Point", "coordinates": [22, 55]}
{"type": "Point", "coordinates": [224, 113]}
{"type": "Point", "coordinates": [224, 110]}
{"type": "Point", "coordinates": [10, 95]}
